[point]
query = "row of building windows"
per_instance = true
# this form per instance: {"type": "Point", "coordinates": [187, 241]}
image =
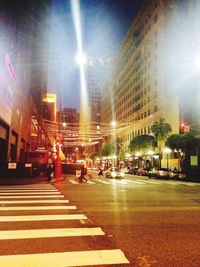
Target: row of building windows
{"type": "Point", "coordinates": [141, 131]}
{"type": "Point", "coordinates": [139, 116]}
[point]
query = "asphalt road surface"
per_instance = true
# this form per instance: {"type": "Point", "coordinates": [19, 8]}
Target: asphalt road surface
{"type": "Point", "coordinates": [154, 222]}
{"type": "Point", "coordinates": [133, 221]}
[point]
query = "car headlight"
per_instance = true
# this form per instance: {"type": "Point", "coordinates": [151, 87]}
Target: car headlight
{"type": "Point", "coordinates": [122, 174]}
{"type": "Point", "coordinates": [114, 174]}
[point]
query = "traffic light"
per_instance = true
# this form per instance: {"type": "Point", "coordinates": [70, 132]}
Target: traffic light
{"type": "Point", "coordinates": [182, 128]}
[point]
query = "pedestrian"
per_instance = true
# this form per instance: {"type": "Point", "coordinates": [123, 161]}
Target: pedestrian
{"type": "Point", "coordinates": [100, 171]}
{"type": "Point", "coordinates": [50, 169]}
{"type": "Point", "coordinates": [83, 173]}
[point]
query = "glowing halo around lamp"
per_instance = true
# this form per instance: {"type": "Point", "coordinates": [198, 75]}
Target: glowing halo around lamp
{"type": "Point", "coordinates": [81, 58]}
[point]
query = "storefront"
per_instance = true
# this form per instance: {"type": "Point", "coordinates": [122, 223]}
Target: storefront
{"type": "Point", "coordinates": [4, 133]}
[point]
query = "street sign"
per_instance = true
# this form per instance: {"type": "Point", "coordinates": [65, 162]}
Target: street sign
{"type": "Point", "coordinates": [12, 165]}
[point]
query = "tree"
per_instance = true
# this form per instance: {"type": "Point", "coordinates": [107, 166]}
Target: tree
{"type": "Point", "coordinates": [173, 141]}
{"type": "Point", "coordinates": [107, 150]}
{"type": "Point", "coordinates": [142, 143]}
{"type": "Point", "coordinates": [161, 131]}
{"type": "Point", "coordinates": [185, 144]}
{"type": "Point", "coordinates": [94, 155]}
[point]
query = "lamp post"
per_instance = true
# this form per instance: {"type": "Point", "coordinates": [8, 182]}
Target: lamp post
{"type": "Point", "coordinates": [58, 169]}
{"type": "Point", "coordinates": [113, 124]}
{"type": "Point", "coordinates": [167, 151]}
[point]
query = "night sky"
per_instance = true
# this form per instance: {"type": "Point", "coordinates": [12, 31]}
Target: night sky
{"type": "Point", "coordinates": [104, 25]}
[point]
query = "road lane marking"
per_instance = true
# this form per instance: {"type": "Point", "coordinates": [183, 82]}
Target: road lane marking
{"type": "Point", "coordinates": [152, 182]}
{"type": "Point", "coordinates": [55, 232]}
{"type": "Point", "coordinates": [90, 182]}
{"type": "Point", "coordinates": [165, 208]}
{"type": "Point", "coordinates": [42, 218]}
{"type": "Point", "coordinates": [135, 182]}
{"type": "Point", "coordinates": [103, 182]}
{"type": "Point", "coordinates": [73, 181]}
{"type": "Point", "coordinates": [119, 181]}
{"type": "Point", "coordinates": [53, 196]}
{"type": "Point", "coordinates": [33, 201]}
{"type": "Point", "coordinates": [31, 193]}
{"type": "Point", "coordinates": [65, 259]}
{"type": "Point", "coordinates": [39, 208]}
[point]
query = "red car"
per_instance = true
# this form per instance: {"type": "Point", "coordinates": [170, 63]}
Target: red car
{"type": "Point", "coordinates": [143, 172]}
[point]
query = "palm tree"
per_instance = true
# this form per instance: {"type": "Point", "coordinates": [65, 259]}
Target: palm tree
{"type": "Point", "coordinates": [161, 131]}
{"type": "Point", "coordinates": [142, 143]}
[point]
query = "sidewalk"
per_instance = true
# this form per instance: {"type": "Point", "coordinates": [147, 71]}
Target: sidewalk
{"type": "Point", "coordinates": [20, 181]}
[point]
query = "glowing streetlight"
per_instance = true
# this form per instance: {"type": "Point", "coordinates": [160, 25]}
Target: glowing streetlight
{"type": "Point", "coordinates": [81, 58]}
{"type": "Point", "coordinates": [113, 123]}
{"type": "Point", "coordinates": [150, 153]}
{"type": "Point", "coordinates": [138, 154]}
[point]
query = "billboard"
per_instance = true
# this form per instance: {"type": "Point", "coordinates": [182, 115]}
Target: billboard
{"type": "Point", "coordinates": [6, 87]}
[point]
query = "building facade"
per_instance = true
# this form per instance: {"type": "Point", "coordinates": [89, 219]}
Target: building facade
{"type": "Point", "coordinates": [147, 83]}
{"type": "Point", "coordinates": [17, 34]}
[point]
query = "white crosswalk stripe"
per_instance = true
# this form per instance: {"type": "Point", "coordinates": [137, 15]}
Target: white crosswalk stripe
{"type": "Point", "coordinates": [73, 181]}
{"type": "Point", "coordinates": [27, 190]}
{"type": "Point", "coordinates": [65, 259]}
{"type": "Point", "coordinates": [55, 232]}
{"type": "Point", "coordinates": [10, 197]}
{"type": "Point", "coordinates": [135, 182]}
{"type": "Point", "coordinates": [41, 201]}
{"type": "Point", "coordinates": [31, 218]}
{"type": "Point", "coordinates": [38, 208]}
{"type": "Point", "coordinates": [29, 193]}
{"type": "Point", "coordinates": [35, 196]}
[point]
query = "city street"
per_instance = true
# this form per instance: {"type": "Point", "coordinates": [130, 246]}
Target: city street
{"type": "Point", "coordinates": [154, 222]}
{"type": "Point", "coordinates": [87, 86]}
{"type": "Point", "coordinates": [104, 222]}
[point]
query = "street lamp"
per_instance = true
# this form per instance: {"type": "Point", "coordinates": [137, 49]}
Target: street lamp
{"type": "Point", "coordinates": [167, 151]}
{"type": "Point", "coordinates": [81, 58]}
{"type": "Point", "coordinates": [113, 123]}
{"type": "Point", "coordinates": [64, 124]}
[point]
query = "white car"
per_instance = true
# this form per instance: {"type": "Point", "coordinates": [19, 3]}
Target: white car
{"type": "Point", "coordinates": [114, 172]}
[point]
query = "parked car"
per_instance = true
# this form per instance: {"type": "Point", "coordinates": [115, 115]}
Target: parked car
{"type": "Point", "coordinates": [176, 175]}
{"type": "Point", "coordinates": [133, 170]}
{"type": "Point", "coordinates": [114, 172]}
{"type": "Point", "coordinates": [142, 171]}
{"type": "Point", "coordinates": [153, 173]}
{"type": "Point", "coordinates": [165, 173]}
{"type": "Point", "coordinates": [158, 173]}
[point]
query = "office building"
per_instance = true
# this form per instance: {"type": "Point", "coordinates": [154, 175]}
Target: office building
{"type": "Point", "coordinates": [20, 22]}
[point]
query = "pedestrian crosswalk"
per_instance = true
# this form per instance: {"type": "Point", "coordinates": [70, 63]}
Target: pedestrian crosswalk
{"type": "Point", "coordinates": [134, 181]}
{"type": "Point", "coordinates": [34, 215]}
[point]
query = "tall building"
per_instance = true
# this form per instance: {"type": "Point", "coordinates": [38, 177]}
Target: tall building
{"type": "Point", "coordinates": [151, 69]}
{"type": "Point", "coordinates": [19, 24]}
{"type": "Point", "coordinates": [70, 115]}
{"type": "Point", "coordinates": [95, 73]}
